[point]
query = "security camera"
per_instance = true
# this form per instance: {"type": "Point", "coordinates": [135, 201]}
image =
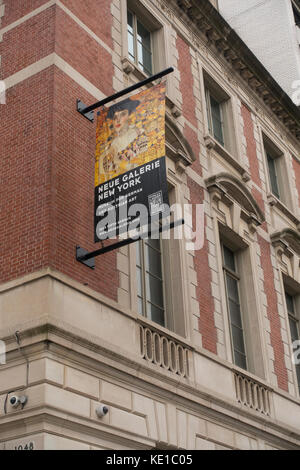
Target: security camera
{"type": "Point", "coordinates": [15, 401]}
{"type": "Point", "coordinates": [101, 411]}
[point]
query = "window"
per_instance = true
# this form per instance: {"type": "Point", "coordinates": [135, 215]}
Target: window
{"type": "Point", "coordinates": [277, 172]}
{"type": "Point", "coordinates": [150, 284]}
{"type": "Point", "coordinates": [215, 118]}
{"type": "Point", "coordinates": [159, 287]}
{"type": "Point", "coordinates": [220, 118]}
{"type": "Point", "coordinates": [139, 43]}
{"type": "Point", "coordinates": [232, 280]}
{"type": "Point", "coordinates": [273, 174]}
{"type": "Point", "coordinates": [294, 326]}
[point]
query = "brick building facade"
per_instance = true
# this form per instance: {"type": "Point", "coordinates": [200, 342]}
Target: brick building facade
{"type": "Point", "coordinates": [200, 381]}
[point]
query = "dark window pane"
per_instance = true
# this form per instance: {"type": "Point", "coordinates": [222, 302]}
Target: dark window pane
{"type": "Point", "coordinates": [289, 303]}
{"type": "Point", "coordinates": [294, 329]}
{"type": "Point", "coordinates": [149, 282]}
{"type": "Point", "coordinates": [235, 313]}
{"type": "Point", "coordinates": [144, 48]}
{"type": "Point", "coordinates": [154, 243]}
{"type": "Point", "coordinates": [232, 289]}
{"type": "Point", "coordinates": [153, 261]}
{"type": "Point", "coordinates": [143, 36]}
{"type": "Point", "coordinates": [208, 111]}
{"type": "Point", "coordinates": [229, 258]}
{"type": "Point", "coordinates": [238, 339]}
{"type": "Point", "coordinates": [130, 21]}
{"type": "Point", "coordinates": [298, 374]}
{"type": "Point", "coordinates": [217, 120]}
{"type": "Point", "coordinates": [155, 314]}
{"type": "Point", "coordinates": [154, 290]}
{"type": "Point", "coordinates": [273, 176]}
{"type": "Point", "coordinates": [240, 360]}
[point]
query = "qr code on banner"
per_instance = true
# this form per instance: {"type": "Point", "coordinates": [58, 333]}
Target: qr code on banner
{"type": "Point", "coordinates": [155, 201]}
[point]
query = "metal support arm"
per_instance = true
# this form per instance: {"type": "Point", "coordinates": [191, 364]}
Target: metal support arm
{"type": "Point", "coordinates": [88, 258]}
{"type": "Point", "coordinates": [88, 111]}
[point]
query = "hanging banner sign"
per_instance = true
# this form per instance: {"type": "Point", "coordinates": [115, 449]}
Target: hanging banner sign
{"type": "Point", "coordinates": [130, 167]}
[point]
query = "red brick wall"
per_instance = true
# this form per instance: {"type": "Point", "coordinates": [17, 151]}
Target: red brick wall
{"type": "Point", "coordinates": [25, 167]}
{"type": "Point", "coordinates": [16, 9]}
{"type": "Point", "coordinates": [253, 160]}
{"type": "Point", "coordinates": [204, 294]}
{"type": "Point", "coordinates": [82, 52]}
{"type": "Point", "coordinates": [47, 156]}
{"type": "Point", "coordinates": [72, 202]}
{"type": "Point", "coordinates": [273, 315]}
{"type": "Point", "coordinates": [188, 98]}
{"type": "Point", "coordinates": [28, 43]}
{"type": "Point", "coordinates": [96, 14]}
{"type": "Point", "coordinates": [251, 144]}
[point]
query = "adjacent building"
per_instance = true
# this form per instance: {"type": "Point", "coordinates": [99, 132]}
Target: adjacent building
{"type": "Point", "coordinates": [215, 369]}
{"type": "Point", "coordinates": [271, 29]}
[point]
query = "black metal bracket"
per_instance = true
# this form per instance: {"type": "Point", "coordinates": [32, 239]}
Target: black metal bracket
{"type": "Point", "coordinates": [80, 254]}
{"type": "Point", "coordinates": [88, 258]}
{"type": "Point", "coordinates": [88, 111]}
{"type": "Point", "coordinates": [81, 107]}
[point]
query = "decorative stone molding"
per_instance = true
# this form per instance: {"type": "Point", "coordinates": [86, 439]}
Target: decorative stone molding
{"type": "Point", "coordinates": [213, 145]}
{"type": "Point", "coordinates": [230, 190]}
{"type": "Point", "coordinates": [287, 247]}
{"type": "Point", "coordinates": [178, 147]}
{"type": "Point", "coordinates": [246, 176]}
{"type": "Point", "coordinates": [252, 394]}
{"type": "Point", "coordinates": [271, 199]}
{"type": "Point", "coordinates": [287, 237]}
{"type": "Point", "coordinates": [206, 21]}
{"type": "Point", "coordinates": [209, 142]}
{"type": "Point", "coordinates": [175, 111]}
{"type": "Point", "coordinates": [128, 67]}
{"type": "Point", "coordinates": [163, 351]}
{"type": "Point", "coordinates": [275, 202]}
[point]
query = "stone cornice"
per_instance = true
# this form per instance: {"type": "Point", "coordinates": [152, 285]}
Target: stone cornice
{"type": "Point", "coordinates": [228, 185]}
{"type": "Point", "coordinates": [220, 36]}
{"type": "Point", "coordinates": [286, 239]}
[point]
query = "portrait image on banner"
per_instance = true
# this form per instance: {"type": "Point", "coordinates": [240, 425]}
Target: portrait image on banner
{"type": "Point", "coordinates": [130, 166]}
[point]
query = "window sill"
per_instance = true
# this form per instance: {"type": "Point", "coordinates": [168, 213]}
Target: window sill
{"type": "Point", "coordinates": [212, 144]}
{"type": "Point", "coordinates": [130, 68]}
{"type": "Point", "coordinates": [273, 201]}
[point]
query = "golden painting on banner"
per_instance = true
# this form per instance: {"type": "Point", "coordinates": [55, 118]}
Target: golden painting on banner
{"type": "Point", "coordinates": [130, 134]}
{"type": "Point", "coordinates": [130, 166]}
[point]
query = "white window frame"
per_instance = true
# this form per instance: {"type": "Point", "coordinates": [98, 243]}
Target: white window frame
{"type": "Point", "coordinates": [271, 146]}
{"type": "Point", "coordinates": [210, 82]}
{"type": "Point", "coordinates": [245, 250]}
{"type": "Point", "coordinates": [137, 19]}
{"type": "Point", "coordinates": [294, 292]}
{"type": "Point", "coordinates": [174, 284]}
{"type": "Point", "coordinates": [234, 274]}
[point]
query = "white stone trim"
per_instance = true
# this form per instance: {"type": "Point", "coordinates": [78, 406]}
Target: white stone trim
{"type": "Point", "coordinates": [27, 17]}
{"type": "Point", "coordinates": [48, 61]}
{"type": "Point", "coordinates": [67, 11]}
